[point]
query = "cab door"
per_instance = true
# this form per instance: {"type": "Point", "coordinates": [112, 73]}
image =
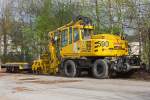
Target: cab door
{"type": "Point", "coordinates": [69, 47]}
{"type": "Point", "coordinates": [66, 42]}
{"type": "Point", "coordinates": [76, 42]}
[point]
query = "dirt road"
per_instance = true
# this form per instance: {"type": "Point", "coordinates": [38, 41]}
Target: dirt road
{"type": "Point", "coordinates": [31, 87]}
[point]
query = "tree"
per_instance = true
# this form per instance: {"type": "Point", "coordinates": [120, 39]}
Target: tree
{"type": "Point", "coordinates": [6, 26]}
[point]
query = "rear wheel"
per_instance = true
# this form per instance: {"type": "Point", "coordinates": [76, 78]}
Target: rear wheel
{"type": "Point", "coordinates": [8, 70]}
{"type": "Point", "coordinates": [16, 70]}
{"type": "Point", "coordinates": [100, 69]}
{"type": "Point", "coordinates": [70, 68]}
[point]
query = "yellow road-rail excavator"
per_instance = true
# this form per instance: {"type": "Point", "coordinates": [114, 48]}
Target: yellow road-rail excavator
{"type": "Point", "coordinates": [74, 48]}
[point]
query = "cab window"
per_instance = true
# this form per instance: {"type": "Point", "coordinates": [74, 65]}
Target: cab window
{"type": "Point", "coordinates": [70, 35]}
{"type": "Point", "coordinates": [64, 39]}
{"type": "Point", "coordinates": [76, 35]}
{"type": "Point", "coordinates": [57, 41]}
{"type": "Point", "coordinates": [86, 33]}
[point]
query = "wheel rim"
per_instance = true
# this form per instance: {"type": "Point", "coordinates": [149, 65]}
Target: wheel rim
{"type": "Point", "coordinates": [69, 69]}
{"type": "Point", "coordinates": [99, 69]}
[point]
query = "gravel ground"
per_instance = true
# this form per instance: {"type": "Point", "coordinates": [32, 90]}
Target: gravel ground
{"type": "Point", "coordinates": [38, 87]}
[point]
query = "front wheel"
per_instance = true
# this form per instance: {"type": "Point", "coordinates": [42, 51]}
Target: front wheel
{"type": "Point", "coordinates": [100, 69]}
{"type": "Point", "coordinates": [70, 68]}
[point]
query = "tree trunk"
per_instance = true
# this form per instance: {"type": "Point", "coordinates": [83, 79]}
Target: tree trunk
{"type": "Point", "coordinates": [110, 15]}
{"type": "Point", "coordinates": [5, 47]}
{"type": "Point", "coordinates": [148, 48]}
{"type": "Point", "coordinates": [97, 14]}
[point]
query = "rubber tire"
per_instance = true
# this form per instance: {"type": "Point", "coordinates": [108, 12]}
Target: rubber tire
{"type": "Point", "coordinates": [102, 63]}
{"type": "Point", "coordinates": [8, 70]}
{"type": "Point", "coordinates": [73, 68]}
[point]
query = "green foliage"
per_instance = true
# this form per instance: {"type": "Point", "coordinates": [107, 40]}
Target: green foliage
{"type": "Point", "coordinates": [112, 30]}
{"type": "Point", "coordinates": [51, 16]}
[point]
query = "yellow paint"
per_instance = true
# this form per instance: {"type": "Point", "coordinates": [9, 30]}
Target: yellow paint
{"type": "Point", "coordinates": [100, 45]}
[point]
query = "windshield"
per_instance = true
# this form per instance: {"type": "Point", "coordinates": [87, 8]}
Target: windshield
{"type": "Point", "coordinates": [86, 33]}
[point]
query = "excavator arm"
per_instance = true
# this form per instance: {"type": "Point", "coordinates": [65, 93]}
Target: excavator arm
{"type": "Point", "coordinates": [54, 62]}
